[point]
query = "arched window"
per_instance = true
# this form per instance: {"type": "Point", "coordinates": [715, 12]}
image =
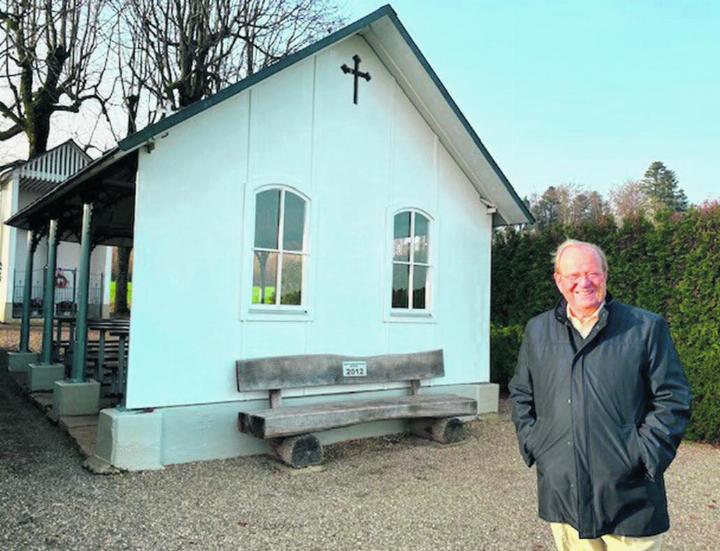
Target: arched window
{"type": "Point", "coordinates": [411, 261]}
{"type": "Point", "coordinates": [279, 248]}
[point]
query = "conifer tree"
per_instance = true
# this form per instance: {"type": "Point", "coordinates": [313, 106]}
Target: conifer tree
{"type": "Point", "coordinates": [661, 186]}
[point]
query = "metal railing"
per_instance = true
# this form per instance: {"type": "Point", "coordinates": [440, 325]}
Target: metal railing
{"type": "Point", "coordinates": [65, 293]}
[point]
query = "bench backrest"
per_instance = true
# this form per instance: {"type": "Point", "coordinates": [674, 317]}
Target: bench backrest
{"type": "Point", "coordinates": [282, 372]}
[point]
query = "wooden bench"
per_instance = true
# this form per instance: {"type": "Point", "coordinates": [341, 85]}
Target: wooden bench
{"type": "Point", "coordinates": [106, 359]}
{"type": "Point", "coordinates": [288, 428]}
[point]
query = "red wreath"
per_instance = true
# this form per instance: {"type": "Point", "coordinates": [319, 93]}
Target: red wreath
{"type": "Point", "coordinates": [60, 281]}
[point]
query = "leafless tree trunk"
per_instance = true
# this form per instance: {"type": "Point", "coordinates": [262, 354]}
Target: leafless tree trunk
{"type": "Point", "coordinates": [121, 281]}
{"type": "Point", "coordinates": [185, 50]}
{"type": "Point", "coordinates": [50, 61]}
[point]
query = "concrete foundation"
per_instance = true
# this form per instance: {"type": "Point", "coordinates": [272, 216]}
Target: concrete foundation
{"type": "Point", "coordinates": [19, 361]}
{"type": "Point", "coordinates": [139, 440]}
{"type": "Point", "coordinates": [75, 398]}
{"type": "Point", "coordinates": [130, 440]}
{"type": "Point", "coordinates": [43, 376]}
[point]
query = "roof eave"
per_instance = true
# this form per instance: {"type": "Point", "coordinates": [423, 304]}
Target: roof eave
{"type": "Point", "coordinates": [21, 219]}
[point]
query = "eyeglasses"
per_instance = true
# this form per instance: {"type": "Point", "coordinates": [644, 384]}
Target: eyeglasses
{"type": "Point", "coordinates": [592, 276]}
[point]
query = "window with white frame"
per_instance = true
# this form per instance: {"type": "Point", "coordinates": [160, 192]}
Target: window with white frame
{"type": "Point", "coordinates": [280, 248]}
{"type": "Point", "coordinates": [411, 261]}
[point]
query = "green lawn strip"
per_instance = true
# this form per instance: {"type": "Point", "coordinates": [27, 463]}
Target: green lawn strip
{"type": "Point", "coordinates": [129, 292]}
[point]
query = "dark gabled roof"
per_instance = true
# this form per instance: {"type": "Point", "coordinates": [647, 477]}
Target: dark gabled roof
{"type": "Point", "coordinates": [199, 106]}
{"type": "Point", "coordinates": [384, 32]}
{"type": "Point", "coordinates": [521, 215]}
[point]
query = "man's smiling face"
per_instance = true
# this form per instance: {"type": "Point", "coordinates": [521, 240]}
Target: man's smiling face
{"type": "Point", "coordinates": [581, 279]}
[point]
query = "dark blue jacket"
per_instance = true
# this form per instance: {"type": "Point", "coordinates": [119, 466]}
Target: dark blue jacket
{"type": "Point", "coordinates": [601, 418]}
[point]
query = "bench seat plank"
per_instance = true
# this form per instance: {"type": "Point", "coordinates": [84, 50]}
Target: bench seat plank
{"type": "Point", "coordinates": [290, 420]}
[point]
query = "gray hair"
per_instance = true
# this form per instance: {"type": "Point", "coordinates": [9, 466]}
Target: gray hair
{"type": "Point", "coordinates": [568, 243]}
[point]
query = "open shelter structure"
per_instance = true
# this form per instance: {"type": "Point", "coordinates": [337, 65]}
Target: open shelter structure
{"type": "Point", "coordinates": [337, 202]}
{"type": "Point", "coordinates": [19, 187]}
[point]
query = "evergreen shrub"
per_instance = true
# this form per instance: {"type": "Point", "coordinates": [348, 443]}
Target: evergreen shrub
{"type": "Point", "coordinates": [504, 345]}
{"type": "Point", "coordinates": [670, 266]}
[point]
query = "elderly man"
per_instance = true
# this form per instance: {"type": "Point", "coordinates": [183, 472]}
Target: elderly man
{"type": "Point", "coordinates": [600, 404]}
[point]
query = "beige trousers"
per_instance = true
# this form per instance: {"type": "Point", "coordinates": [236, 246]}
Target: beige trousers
{"type": "Point", "coordinates": [567, 539]}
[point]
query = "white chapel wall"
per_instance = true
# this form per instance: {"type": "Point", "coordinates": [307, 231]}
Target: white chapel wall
{"type": "Point", "coordinates": [7, 243]}
{"type": "Point", "coordinates": [193, 234]}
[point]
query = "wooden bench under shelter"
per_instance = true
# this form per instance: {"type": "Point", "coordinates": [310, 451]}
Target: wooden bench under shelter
{"type": "Point", "coordinates": [288, 429]}
{"type": "Point", "coordinates": [106, 360]}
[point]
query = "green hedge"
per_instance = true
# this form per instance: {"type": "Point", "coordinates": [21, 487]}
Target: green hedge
{"type": "Point", "coordinates": [670, 266]}
{"type": "Point", "coordinates": [504, 345]}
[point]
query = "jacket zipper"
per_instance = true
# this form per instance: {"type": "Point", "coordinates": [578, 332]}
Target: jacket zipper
{"type": "Point", "coordinates": [587, 446]}
{"type": "Point", "coordinates": [578, 354]}
{"type": "Point", "coordinates": [580, 357]}
{"type": "Point", "coordinates": [572, 420]}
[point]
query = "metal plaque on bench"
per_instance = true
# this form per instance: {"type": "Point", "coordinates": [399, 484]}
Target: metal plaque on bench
{"type": "Point", "coordinates": [354, 369]}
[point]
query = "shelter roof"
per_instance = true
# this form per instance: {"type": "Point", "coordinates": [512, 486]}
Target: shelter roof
{"type": "Point", "coordinates": [46, 170]}
{"type": "Point", "coordinates": [108, 182]}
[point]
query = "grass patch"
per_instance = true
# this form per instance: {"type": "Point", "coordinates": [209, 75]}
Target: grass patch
{"type": "Point", "coordinates": [269, 295]}
{"type": "Point", "coordinates": [129, 293]}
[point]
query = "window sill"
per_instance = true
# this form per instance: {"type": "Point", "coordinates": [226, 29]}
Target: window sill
{"type": "Point", "coordinates": [399, 316]}
{"type": "Point", "coordinates": [276, 314]}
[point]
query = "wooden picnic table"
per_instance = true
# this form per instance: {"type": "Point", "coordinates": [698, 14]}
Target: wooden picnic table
{"type": "Point", "coordinates": [60, 321]}
{"type": "Point", "coordinates": [123, 334]}
{"type": "Point", "coordinates": [103, 326]}
{"type": "Point", "coordinates": [114, 327]}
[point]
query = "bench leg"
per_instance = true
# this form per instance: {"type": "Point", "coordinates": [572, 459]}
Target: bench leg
{"type": "Point", "coordinates": [446, 430]}
{"type": "Point", "coordinates": [297, 451]}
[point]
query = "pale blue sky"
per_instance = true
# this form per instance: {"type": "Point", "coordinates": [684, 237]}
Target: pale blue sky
{"type": "Point", "coordinates": [579, 91]}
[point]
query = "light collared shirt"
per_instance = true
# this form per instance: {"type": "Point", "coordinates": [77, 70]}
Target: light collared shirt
{"type": "Point", "coordinates": [584, 325]}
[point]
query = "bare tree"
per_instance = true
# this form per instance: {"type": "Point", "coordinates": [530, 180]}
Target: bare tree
{"type": "Point", "coordinates": [589, 207]}
{"type": "Point", "coordinates": [50, 62]}
{"type": "Point", "coordinates": [555, 205]}
{"type": "Point", "coordinates": [176, 52]}
{"type": "Point", "coordinates": [567, 205]}
{"type": "Point", "coordinates": [123, 261]}
{"type": "Point", "coordinates": [630, 200]}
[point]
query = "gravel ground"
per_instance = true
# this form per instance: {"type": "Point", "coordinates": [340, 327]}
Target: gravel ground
{"type": "Point", "coordinates": [10, 337]}
{"type": "Point", "coordinates": [382, 493]}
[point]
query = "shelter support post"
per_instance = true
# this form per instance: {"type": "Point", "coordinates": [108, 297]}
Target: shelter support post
{"type": "Point", "coordinates": [78, 396]}
{"type": "Point", "coordinates": [49, 293]}
{"type": "Point", "coordinates": [20, 360]}
{"type": "Point", "coordinates": [42, 376]}
{"type": "Point", "coordinates": [81, 324]}
{"type": "Point", "coordinates": [27, 293]}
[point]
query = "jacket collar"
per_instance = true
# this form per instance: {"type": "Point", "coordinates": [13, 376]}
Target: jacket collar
{"type": "Point", "coordinates": [561, 311]}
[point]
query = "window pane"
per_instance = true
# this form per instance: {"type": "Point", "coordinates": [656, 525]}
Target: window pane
{"type": "Point", "coordinates": [420, 275]}
{"type": "Point", "coordinates": [291, 292]}
{"type": "Point", "coordinates": [264, 277]}
{"type": "Point", "coordinates": [401, 275]}
{"type": "Point", "coordinates": [267, 217]}
{"type": "Point", "coordinates": [422, 237]}
{"type": "Point", "coordinates": [401, 243]}
{"type": "Point", "coordinates": [294, 223]}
